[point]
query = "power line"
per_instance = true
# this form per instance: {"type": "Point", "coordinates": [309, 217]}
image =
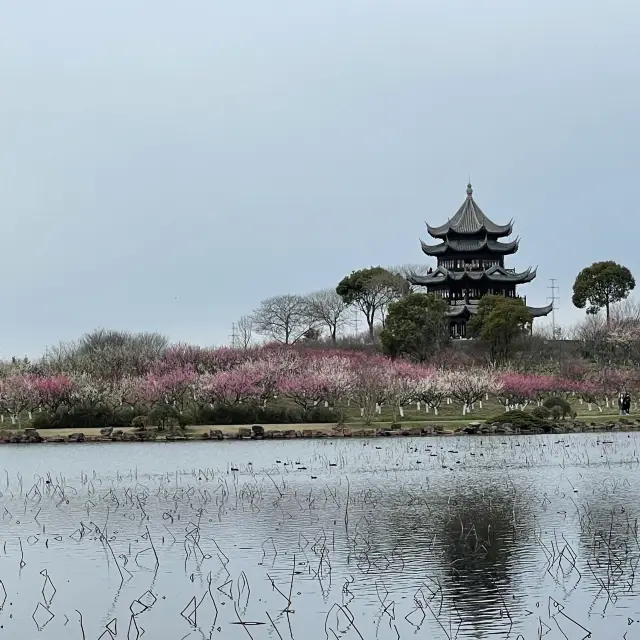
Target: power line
{"type": "Point", "coordinates": [553, 298]}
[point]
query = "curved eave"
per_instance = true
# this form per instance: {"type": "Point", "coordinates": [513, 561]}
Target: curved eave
{"type": "Point", "coordinates": [539, 312]}
{"type": "Point", "coordinates": [443, 276]}
{"type": "Point", "coordinates": [466, 311]}
{"type": "Point", "coordinates": [492, 246]}
{"type": "Point", "coordinates": [459, 312]}
{"type": "Point", "coordinates": [493, 230]}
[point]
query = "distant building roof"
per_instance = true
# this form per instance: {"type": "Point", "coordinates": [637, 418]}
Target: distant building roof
{"type": "Point", "coordinates": [470, 220]}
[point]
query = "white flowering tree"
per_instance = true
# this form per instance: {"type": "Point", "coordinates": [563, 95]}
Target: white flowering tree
{"type": "Point", "coordinates": [470, 385]}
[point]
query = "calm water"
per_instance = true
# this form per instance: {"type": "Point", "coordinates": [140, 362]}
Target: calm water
{"type": "Point", "coordinates": [525, 538]}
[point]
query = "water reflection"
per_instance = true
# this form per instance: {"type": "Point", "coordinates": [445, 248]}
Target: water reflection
{"type": "Point", "coordinates": [313, 540]}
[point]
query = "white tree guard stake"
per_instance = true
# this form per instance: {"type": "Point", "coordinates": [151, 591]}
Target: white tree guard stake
{"type": "Point", "coordinates": [326, 404]}
{"type": "Point", "coordinates": [378, 409]}
{"type": "Point", "coordinates": [417, 406]}
{"type": "Point", "coordinates": [486, 397]}
{"type": "Point", "coordinates": [315, 403]}
{"type": "Point", "coordinates": [401, 412]}
{"type": "Point", "coordinates": [480, 403]}
{"type": "Point", "coordinates": [348, 402]}
{"type": "Point", "coordinates": [362, 412]}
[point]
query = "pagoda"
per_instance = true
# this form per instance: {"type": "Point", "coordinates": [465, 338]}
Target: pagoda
{"type": "Point", "coordinates": [471, 264]}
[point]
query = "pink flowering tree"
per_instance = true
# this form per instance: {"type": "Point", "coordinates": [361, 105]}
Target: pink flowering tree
{"type": "Point", "coordinates": [516, 390]}
{"type": "Point", "coordinates": [588, 391]}
{"type": "Point", "coordinates": [542, 386]}
{"type": "Point", "coordinates": [572, 373]}
{"type": "Point", "coordinates": [315, 380]}
{"type": "Point", "coordinates": [334, 375]}
{"type": "Point", "coordinates": [306, 390]}
{"type": "Point", "coordinates": [230, 388]}
{"type": "Point", "coordinates": [53, 392]}
{"type": "Point", "coordinates": [611, 381]}
{"type": "Point", "coordinates": [337, 377]}
{"type": "Point", "coordinates": [178, 387]}
{"type": "Point", "coordinates": [269, 370]}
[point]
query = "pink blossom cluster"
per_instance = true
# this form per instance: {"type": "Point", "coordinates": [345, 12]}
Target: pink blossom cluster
{"type": "Point", "coordinates": [189, 377]}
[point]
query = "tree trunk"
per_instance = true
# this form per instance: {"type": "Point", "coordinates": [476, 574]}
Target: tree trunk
{"type": "Point", "coordinates": [370, 323]}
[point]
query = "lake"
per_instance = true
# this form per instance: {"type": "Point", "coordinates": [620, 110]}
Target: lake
{"type": "Point", "coordinates": [496, 537]}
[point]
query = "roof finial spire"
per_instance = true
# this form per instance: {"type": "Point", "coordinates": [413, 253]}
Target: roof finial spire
{"type": "Point", "coordinates": [469, 188]}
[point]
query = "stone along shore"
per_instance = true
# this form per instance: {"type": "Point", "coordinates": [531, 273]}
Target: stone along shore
{"type": "Point", "coordinates": [258, 432]}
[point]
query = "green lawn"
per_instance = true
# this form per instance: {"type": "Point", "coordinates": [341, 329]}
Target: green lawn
{"type": "Point", "coordinates": [449, 416]}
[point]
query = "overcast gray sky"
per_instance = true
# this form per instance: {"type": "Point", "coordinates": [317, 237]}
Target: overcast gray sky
{"type": "Point", "coordinates": [166, 165]}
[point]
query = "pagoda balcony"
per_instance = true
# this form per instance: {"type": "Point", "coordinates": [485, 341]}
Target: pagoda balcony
{"type": "Point", "coordinates": [477, 267]}
{"type": "Point", "coordinates": [462, 301]}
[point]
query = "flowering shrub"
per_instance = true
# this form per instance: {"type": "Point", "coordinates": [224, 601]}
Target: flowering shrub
{"type": "Point", "coordinates": [283, 384]}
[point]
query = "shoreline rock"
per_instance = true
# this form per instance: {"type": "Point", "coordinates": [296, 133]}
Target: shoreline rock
{"type": "Point", "coordinates": [258, 432]}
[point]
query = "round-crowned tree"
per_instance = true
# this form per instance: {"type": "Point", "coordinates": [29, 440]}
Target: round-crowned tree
{"type": "Point", "coordinates": [601, 285]}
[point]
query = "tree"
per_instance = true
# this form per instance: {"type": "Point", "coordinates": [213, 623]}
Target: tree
{"type": "Point", "coordinates": [329, 309]}
{"type": "Point", "coordinates": [244, 327]}
{"type": "Point", "coordinates": [108, 353]}
{"type": "Point", "coordinates": [416, 327]}
{"type": "Point", "coordinates": [283, 318]}
{"type": "Point", "coordinates": [371, 290]}
{"type": "Point", "coordinates": [601, 285]}
{"type": "Point", "coordinates": [409, 270]}
{"type": "Point", "coordinates": [470, 385]}
{"type": "Point", "coordinates": [230, 388]}
{"type": "Point", "coordinates": [500, 321]}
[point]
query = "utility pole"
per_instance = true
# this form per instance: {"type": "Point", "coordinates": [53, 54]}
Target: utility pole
{"type": "Point", "coordinates": [553, 298]}
{"type": "Point", "coordinates": [355, 319]}
{"type": "Point", "coordinates": [233, 336]}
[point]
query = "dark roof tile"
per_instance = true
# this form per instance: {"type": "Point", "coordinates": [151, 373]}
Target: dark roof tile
{"type": "Point", "coordinates": [469, 220]}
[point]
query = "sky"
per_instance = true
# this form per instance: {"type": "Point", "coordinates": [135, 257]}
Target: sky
{"type": "Point", "coordinates": [165, 166]}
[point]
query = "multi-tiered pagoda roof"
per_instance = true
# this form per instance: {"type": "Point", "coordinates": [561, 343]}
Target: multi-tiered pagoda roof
{"type": "Point", "coordinates": [470, 263]}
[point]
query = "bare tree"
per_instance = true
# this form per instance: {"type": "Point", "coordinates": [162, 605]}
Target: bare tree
{"type": "Point", "coordinates": [409, 269]}
{"type": "Point", "coordinates": [244, 327]}
{"type": "Point", "coordinates": [284, 318]}
{"type": "Point", "coordinates": [108, 354]}
{"type": "Point", "coordinates": [626, 312]}
{"type": "Point", "coordinates": [328, 309]}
